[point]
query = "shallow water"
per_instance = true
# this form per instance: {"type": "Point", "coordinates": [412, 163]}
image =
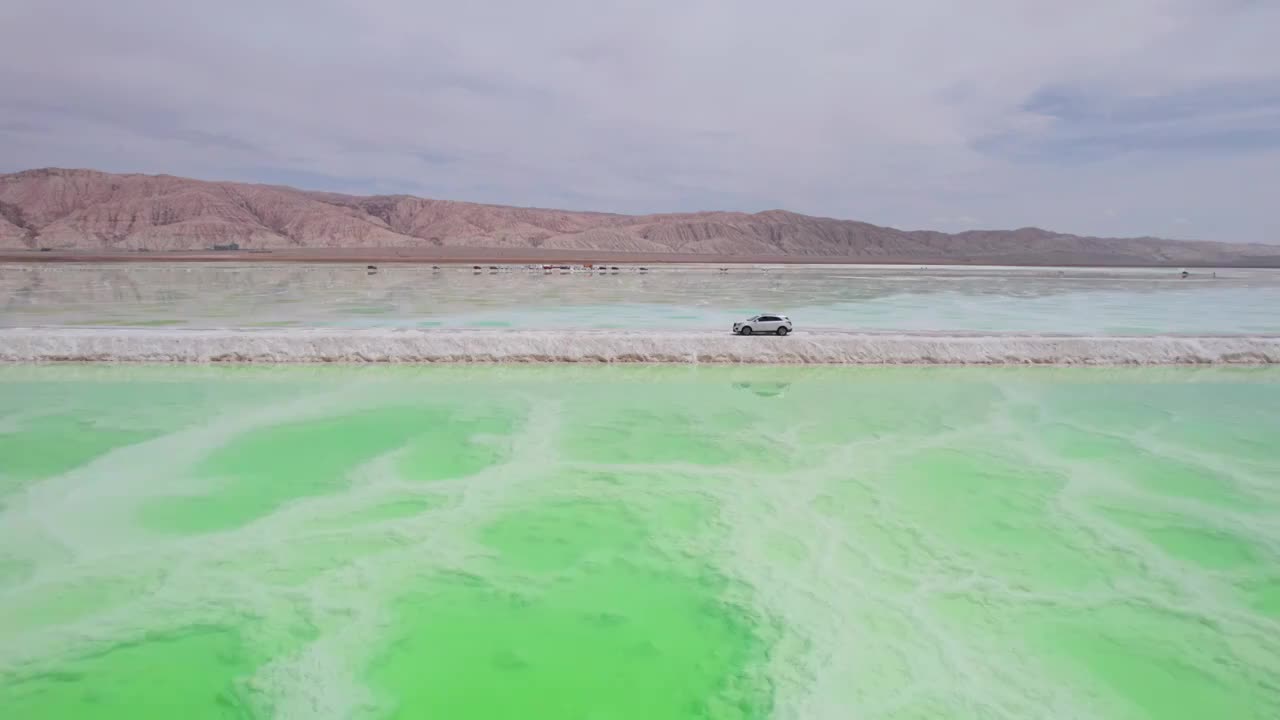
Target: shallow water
{"type": "Point", "coordinates": [647, 542]}
{"type": "Point", "coordinates": [1084, 301]}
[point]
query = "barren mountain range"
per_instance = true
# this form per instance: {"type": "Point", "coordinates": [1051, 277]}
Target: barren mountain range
{"type": "Point", "coordinates": [59, 209]}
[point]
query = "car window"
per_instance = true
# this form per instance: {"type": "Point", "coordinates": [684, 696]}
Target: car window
{"type": "Point", "coordinates": [768, 318]}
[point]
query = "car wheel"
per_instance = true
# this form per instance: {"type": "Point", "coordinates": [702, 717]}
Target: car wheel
{"type": "Point", "coordinates": [783, 330]}
{"type": "Point", "coordinates": [746, 330]}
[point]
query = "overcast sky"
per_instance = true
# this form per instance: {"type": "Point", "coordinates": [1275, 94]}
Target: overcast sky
{"type": "Point", "coordinates": [1108, 117]}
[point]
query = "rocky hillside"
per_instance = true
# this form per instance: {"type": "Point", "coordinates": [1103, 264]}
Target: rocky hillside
{"type": "Point", "coordinates": [89, 210]}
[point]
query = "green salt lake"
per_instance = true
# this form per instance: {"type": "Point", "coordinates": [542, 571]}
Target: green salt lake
{"type": "Point", "coordinates": [639, 542]}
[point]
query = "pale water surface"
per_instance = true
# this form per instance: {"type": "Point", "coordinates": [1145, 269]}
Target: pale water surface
{"type": "Point", "coordinates": [910, 299]}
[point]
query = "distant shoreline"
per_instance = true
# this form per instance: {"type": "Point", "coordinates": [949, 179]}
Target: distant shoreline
{"type": "Point", "coordinates": [525, 256]}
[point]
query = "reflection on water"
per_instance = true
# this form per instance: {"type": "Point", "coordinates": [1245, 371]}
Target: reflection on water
{"type": "Point", "coordinates": [1085, 301]}
{"type": "Point", "coordinates": [763, 389]}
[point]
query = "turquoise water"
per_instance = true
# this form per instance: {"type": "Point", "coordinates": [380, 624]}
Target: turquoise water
{"type": "Point", "coordinates": [1080, 301]}
{"type": "Point", "coordinates": [638, 542]}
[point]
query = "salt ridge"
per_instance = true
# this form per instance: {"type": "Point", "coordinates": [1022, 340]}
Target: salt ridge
{"type": "Point", "coordinates": [312, 345]}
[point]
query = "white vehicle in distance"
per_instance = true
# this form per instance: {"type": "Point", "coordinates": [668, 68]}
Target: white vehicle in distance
{"type": "Point", "coordinates": [774, 324]}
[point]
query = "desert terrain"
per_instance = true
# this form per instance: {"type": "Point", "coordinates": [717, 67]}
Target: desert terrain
{"type": "Point", "coordinates": [84, 215]}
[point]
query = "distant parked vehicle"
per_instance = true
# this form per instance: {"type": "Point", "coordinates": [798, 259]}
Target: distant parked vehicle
{"type": "Point", "coordinates": [775, 324]}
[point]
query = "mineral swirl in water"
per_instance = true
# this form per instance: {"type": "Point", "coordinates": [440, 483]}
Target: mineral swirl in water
{"type": "Point", "coordinates": [639, 542]}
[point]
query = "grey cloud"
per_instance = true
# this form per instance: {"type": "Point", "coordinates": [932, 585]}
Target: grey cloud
{"type": "Point", "coordinates": [1084, 127]}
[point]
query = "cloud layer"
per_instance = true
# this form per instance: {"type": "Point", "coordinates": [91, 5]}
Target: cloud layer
{"type": "Point", "coordinates": [1096, 116]}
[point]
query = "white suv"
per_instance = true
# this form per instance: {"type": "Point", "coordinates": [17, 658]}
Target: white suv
{"type": "Point", "coordinates": [776, 324]}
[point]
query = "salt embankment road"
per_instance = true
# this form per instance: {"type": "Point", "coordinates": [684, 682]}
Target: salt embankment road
{"type": "Point", "coordinates": [316, 345]}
